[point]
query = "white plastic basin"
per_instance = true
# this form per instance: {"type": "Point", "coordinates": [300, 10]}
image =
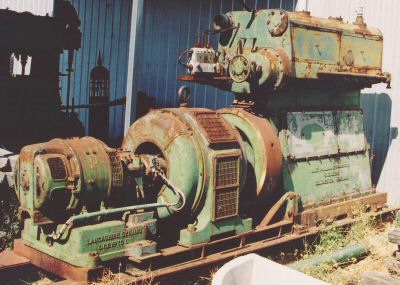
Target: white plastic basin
{"type": "Point", "coordinates": [253, 269]}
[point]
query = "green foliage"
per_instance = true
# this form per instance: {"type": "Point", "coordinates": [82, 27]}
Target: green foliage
{"type": "Point", "coordinates": [9, 224]}
{"type": "Point", "coordinates": [331, 240]}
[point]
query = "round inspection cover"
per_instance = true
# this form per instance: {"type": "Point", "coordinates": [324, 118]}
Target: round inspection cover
{"type": "Point", "coordinates": [239, 68]}
{"type": "Point", "coordinates": [277, 22]}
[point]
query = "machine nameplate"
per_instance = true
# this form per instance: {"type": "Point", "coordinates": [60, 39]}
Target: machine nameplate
{"type": "Point", "coordinates": [331, 174]}
{"type": "Point", "coordinates": [320, 170]}
{"type": "Point", "coordinates": [331, 180]}
{"type": "Point", "coordinates": [115, 239]}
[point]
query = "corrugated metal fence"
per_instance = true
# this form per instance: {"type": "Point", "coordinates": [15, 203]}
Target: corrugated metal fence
{"type": "Point", "coordinates": [169, 29]}
{"type": "Point", "coordinates": [377, 109]}
{"type": "Point", "coordinates": [105, 28]}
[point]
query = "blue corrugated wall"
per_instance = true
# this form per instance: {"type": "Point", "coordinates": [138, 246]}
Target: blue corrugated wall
{"type": "Point", "coordinates": [105, 27]}
{"type": "Point", "coordinates": [377, 110]}
{"type": "Point", "coordinates": [169, 29]}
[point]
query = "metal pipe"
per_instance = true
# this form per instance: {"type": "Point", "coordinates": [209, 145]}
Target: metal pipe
{"type": "Point", "coordinates": [106, 212]}
{"type": "Point", "coordinates": [342, 255]}
{"type": "Point", "coordinates": [177, 192]}
{"type": "Point", "coordinates": [69, 72]}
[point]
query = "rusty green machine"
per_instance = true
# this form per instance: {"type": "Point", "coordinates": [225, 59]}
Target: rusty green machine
{"type": "Point", "coordinates": [191, 186]}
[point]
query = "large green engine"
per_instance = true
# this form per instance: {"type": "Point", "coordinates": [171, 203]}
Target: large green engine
{"type": "Point", "coordinates": [290, 150]}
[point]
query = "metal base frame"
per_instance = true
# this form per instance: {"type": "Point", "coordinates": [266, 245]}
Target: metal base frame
{"type": "Point", "coordinates": [259, 239]}
{"type": "Point", "coordinates": [56, 266]}
{"type": "Point", "coordinates": [179, 259]}
{"type": "Point", "coordinates": [334, 211]}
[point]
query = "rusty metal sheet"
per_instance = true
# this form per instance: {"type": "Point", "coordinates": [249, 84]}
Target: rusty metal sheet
{"type": "Point", "coordinates": [362, 52]}
{"type": "Point", "coordinates": [311, 134]}
{"type": "Point", "coordinates": [330, 46]}
{"type": "Point", "coordinates": [332, 24]}
{"type": "Point", "coordinates": [313, 45]}
{"type": "Point", "coordinates": [351, 136]}
{"type": "Point", "coordinates": [68, 282]}
{"type": "Point", "coordinates": [10, 260]}
{"type": "Point", "coordinates": [56, 266]}
{"type": "Point", "coordinates": [330, 212]}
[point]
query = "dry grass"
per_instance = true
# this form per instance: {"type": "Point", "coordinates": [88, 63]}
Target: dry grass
{"type": "Point", "coordinates": [110, 278]}
{"type": "Point", "coordinates": [208, 279]}
{"type": "Point", "coordinates": [366, 231]}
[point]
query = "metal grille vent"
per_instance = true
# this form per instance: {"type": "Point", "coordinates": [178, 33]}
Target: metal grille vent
{"type": "Point", "coordinates": [226, 187]}
{"type": "Point", "coordinates": [116, 170]}
{"type": "Point", "coordinates": [226, 203]}
{"type": "Point", "coordinates": [216, 130]}
{"type": "Point", "coordinates": [227, 172]}
{"type": "Point", "coordinates": [57, 168]}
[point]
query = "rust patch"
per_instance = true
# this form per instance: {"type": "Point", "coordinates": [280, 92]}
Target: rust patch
{"type": "Point", "coordinates": [10, 260]}
{"type": "Point", "coordinates": [221, 82]}
{"type": "Point", "coordinates": [215, 128]}
{"type": "Point", "coordinates": [56, 266]}
{"type": "Point", "coordinates": [331, 212]}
